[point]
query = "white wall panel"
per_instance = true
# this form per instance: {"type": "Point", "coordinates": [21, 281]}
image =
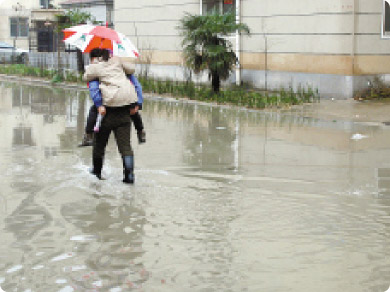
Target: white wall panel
{"type": "Point", "coordinates": [368, 24]}
{"type": "Point", "coordinates": [327, 24]}
{"type": "Point", "coordinates": [295, 7]}
{"type": "Point", "coordinates": [304, 44]}
{"type": "Point", "coordinates": [153, 23]}
{"type": "Point", "coordinates": [372, 45]}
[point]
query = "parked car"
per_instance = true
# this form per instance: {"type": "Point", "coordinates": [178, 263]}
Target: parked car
{"type": "Point", "coordinates": [9, 54]}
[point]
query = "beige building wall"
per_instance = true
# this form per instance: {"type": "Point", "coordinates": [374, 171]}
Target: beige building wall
{"type": "Point", "coordinates": [7, 11]}
{"type": "Point", "coordinates": [301, 36]}
{"type": "Point", "coordinates": [326, 37]}
{"type": "Point", "coordinates": [152, 25]}
{"type": "Point", "coordinates": [372, 53]}
{"type": "Point", "coordinates": [324, 43]}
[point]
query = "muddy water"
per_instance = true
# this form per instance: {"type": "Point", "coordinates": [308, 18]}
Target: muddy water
{"type": "Point", "coordinates": [224, 200]}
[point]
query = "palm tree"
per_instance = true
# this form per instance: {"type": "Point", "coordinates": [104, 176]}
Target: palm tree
{"type": "Point", "coordinates": [206, 46]}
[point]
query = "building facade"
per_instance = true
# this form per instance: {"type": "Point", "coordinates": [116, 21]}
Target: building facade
{"type": "Point", "coordinates": [17, 17]}
{"type": "Point", "coordinates": [101, 10]}
{"type": "Point", "coordinates": [333, 45]}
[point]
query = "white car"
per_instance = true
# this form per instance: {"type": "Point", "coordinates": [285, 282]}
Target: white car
{"type": "Point", "coordinates": [7, 51]}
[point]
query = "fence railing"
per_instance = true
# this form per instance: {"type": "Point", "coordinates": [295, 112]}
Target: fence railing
{"type": "Point", "coordinates": [50, 60]}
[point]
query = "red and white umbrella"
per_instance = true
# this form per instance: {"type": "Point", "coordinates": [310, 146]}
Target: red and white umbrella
{"type": "Point", "coordinates": [87, 37]}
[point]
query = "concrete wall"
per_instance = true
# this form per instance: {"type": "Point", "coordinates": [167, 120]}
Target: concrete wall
{"type": "Point", "coordinates": [152, 25]}
{"type": "Point", "coordinates": [372, 52]}
{"type": "Point", "coordinates": [333, 44]}
{"type": "Point", "coordinates": [323, 37]}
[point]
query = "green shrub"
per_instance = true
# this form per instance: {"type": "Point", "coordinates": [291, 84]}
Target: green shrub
{"type": "Point", "coordinates": [57, 78]}
{"type": "Point", "coordinates": [377, 89]}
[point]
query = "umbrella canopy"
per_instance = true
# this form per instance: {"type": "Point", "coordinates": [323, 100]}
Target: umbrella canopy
{"type": "Point", "coordinates": [87, 37]}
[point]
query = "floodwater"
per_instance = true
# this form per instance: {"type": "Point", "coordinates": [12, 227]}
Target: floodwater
{"type": "Point", "coordinates": [224, 200]}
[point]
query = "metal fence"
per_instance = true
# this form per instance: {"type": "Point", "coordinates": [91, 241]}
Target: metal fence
{"type": "Point", "coordinates": [49, 60]}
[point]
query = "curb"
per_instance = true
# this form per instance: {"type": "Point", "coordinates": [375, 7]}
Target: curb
{"type": "Point", "coordinates": [41, 82]}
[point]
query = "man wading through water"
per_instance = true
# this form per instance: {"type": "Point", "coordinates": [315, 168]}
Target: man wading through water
{"type": "Point", "coordinates": [119, 102]}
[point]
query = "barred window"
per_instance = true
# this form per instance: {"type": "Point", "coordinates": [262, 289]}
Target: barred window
{"type": "Point", "coordinates": [222, 6]}
{"type": "Point", "coordinates": [19, 27]}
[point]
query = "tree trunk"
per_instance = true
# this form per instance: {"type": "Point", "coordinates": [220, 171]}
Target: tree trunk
{"type": "Point", "coordinates": [215, 82]}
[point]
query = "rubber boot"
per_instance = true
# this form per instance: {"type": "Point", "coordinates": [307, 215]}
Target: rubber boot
{"type": "Point", "coordinates": [97, 167]}
{"type": "Point", "coordinates": [128, 169]}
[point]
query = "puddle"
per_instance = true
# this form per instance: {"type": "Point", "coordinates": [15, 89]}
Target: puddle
{"type": "Point", "coordinates": [224, 200]}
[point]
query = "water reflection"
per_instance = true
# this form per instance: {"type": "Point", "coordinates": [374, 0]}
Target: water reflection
{"type": "Point", "coordinates": [27, 220]}
{"type": "Point", "coordinates": [225, 200]}
{"type": "Point", "coordinates": [115, 255]}
{"type": "Point", "coordinates": [35, 116]}
{"type": "Point", "coordinates": [210, 141]}
{"type": "Point", "coordinates": [22, 136]}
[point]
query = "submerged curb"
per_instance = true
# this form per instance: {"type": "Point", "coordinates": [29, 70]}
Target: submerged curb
{"type": "Point", "coordinates": [38, 81]}
{"type": "Point", "coordinates": [326, 116]}
{"type": "Point", "coordinates": [42, 82]}
{"type": "Point", "coordinates": [67, 85]}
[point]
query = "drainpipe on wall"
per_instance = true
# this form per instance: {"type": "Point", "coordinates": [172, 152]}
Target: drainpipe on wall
{"type": "Point", "coordinates": [238, 43]}
{"type": "Point", "coordinates": [201, 7]}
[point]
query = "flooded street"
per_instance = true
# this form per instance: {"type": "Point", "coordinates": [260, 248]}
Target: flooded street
{"type": "Point", "coordinates": [224, 199]}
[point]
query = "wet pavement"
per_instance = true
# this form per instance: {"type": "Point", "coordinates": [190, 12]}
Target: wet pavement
{"type": "Point", "coordinates": [225, 199]}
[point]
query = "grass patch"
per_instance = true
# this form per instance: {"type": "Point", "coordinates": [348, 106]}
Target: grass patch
{"type": "Point", "coordinates": [236, 95]}
{"type": "Point", "coordinates": [23, 70]}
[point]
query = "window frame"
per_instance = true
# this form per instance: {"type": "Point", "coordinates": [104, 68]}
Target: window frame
{"type": "Point", "coordinates": [25, 22]}
{"type": "Point", "coordinates": [45, 4]}
{"type": "Point", "coordinates": [385, 34]}
{"type": "Point", "coordinates": [219, 3]}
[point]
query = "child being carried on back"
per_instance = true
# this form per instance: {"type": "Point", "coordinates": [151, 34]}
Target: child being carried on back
{"type": "Point", "coordinates": [96, 96]}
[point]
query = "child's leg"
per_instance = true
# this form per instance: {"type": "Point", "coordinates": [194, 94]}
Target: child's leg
{"type": "Point", "coordinates": [91, 119]}
{"type": "Point", "coordinates": [139, 126]}
{"type": "Point", "coordinates": [137, 120]}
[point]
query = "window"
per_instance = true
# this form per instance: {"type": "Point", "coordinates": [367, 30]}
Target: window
{"type": "Point", "coordinates": [45, 4]}
{"type": "Point", "coordinates": [386, 19]}
{"type": "Point", "coordinates": [19, 27]}
{"type": "Point", "coordinates": [219, 5]}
